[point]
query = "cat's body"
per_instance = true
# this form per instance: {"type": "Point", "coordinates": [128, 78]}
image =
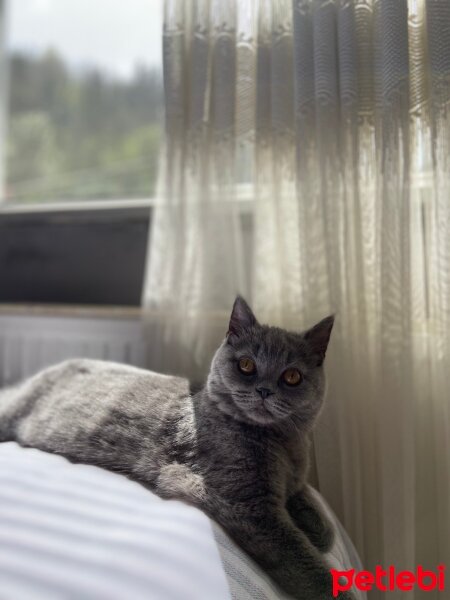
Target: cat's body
{"type": "Point", "coordinates": [241, 460]}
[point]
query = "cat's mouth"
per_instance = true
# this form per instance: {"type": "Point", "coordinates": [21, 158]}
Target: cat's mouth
{"type": "Point", "coordinates": [261, 413]}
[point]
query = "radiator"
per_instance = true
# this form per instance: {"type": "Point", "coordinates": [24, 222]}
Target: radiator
{"type": "Point", "coordinates": [29, 343]}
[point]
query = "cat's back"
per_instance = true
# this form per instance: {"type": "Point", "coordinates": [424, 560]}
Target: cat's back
{"type": "Point", "coordinates": [70, 400]}
{"type": "Point", "coordinates": [100, 383]}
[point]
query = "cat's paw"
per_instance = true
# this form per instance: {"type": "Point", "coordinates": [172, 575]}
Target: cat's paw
{"type": "Point", "coordinates": [310, 520]}
{"type": "Point", "coordinates": [322, 538]}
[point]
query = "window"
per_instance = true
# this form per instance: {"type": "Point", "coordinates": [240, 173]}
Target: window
{"type": "Point", "coordinates": [85, 103]}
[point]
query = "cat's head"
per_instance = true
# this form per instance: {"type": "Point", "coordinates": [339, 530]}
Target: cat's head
{"type": "Point", "coordinates": [269, 376]}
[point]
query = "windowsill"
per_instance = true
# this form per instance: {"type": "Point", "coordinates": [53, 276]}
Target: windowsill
{"type": "Point", "coordinates": [70, 311]}
{"type": "Point", "coordinates": [75, 206]}
{"type": "Point", "coordinates": [244, 199]}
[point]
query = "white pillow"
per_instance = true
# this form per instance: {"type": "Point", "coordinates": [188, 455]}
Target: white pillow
{"type": "Point", "coordinates": [77, 532]}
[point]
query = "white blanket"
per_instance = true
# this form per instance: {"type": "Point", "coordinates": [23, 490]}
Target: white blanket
{"type": "Point", "coordinates": [76, 532]}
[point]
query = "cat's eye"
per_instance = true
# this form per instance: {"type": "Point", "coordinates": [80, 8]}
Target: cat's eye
{"type": "Point", "coordinates": [246, 366]}
{"type": "Point", "coordinates": [292, 376]}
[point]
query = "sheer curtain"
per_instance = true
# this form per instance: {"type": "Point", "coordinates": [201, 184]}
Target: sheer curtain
{"type": "Point", "coordinates": [328, 120]}
{"type": "Point", "coordinates": [196, 259]}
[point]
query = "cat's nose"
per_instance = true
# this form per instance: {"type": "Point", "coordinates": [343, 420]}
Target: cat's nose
{"type": "Point", "coordinates": [264, 392]}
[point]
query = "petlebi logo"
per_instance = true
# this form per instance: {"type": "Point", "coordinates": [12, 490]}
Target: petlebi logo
{"type": "Point", "coordinates": [388, 579]}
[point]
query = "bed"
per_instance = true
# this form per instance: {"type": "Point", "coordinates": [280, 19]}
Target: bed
{"type": "Point", "coordinates": [77, 532]}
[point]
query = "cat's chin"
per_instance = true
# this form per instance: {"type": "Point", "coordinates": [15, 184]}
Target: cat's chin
{"type": "Point", "coordinates": [265, 420]}
{"type": "Point", "coordinates": [261, 416]}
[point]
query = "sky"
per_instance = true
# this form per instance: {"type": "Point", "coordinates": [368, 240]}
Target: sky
{"type": "Point", "coordinates": [111, 34]}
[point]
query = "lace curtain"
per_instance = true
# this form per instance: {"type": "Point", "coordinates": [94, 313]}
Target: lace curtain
{"type": "Point", "coordinates": [307, 167]}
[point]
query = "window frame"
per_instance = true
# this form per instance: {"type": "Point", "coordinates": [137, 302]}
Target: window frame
{"type": "Point", "coordinates": [90, 212]}
{"type": "Point", "coordinates": [34, 216]}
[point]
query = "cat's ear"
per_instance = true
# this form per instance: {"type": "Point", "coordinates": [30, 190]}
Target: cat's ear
{"type": "Point", "coordinates": [241, 318]}
{"type": "Point", "coordinates": [319, 336]}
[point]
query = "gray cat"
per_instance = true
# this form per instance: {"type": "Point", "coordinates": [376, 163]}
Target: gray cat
{"type": "Point", "coordinates": [237, 449]}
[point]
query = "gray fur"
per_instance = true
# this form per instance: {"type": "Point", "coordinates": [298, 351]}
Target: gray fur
{"type": "Point", "coordinates": [240, 458]}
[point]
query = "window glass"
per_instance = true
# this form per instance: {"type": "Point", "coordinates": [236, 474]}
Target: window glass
{"type": "Point", "coordinates": [84, 110]}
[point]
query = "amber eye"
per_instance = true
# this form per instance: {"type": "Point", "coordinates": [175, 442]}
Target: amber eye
{"type": "Point", "coordinates": [246, 366]}
{"type": "Point", "coordinates": [292, 376]}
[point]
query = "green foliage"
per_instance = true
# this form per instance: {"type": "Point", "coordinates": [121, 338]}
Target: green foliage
{"type": "Point", "coordinates": [81, 135]}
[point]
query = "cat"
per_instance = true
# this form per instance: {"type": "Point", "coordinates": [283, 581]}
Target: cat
{"type": "Point", "coordinates": [237, 449]}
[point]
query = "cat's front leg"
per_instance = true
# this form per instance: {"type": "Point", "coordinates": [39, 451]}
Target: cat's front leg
{"type": "Point", "coordinates": [284, 552]}
{"type": "Point", "coordinates": [309, 518]}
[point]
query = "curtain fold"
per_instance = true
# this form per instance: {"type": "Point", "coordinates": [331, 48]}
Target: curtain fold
{"type": "Point", "coordinates": [326, 123]}
{"type": "Point", "coordinates": [196, 256]}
